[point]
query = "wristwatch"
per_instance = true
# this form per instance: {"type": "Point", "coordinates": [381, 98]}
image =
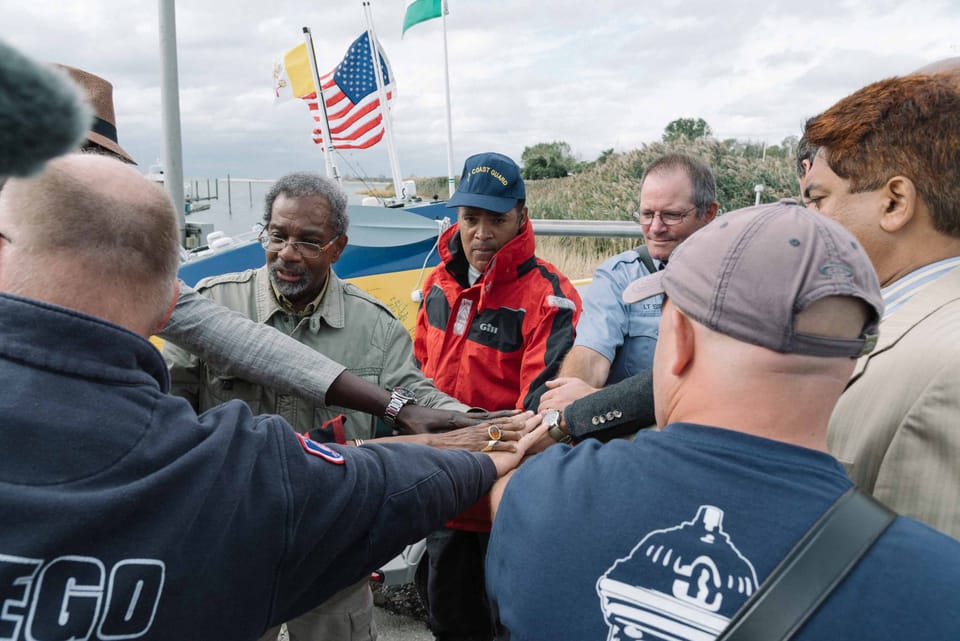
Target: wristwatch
{"type": "Point", "coordinates": [399, 397]}
{"type": "Point", "coordinates": [552, 418]}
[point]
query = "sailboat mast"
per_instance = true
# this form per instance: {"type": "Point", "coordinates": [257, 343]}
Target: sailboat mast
{"type": "Point", "coordinates": [384, 107]}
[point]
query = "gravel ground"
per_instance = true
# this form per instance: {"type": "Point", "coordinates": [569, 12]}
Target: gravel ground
{"type": "Point", "coordinates": [399, 599]}
{"type": "Point", "coordinates": [395, 627]}
{"type": "Point", "coordinates": [399, 614]}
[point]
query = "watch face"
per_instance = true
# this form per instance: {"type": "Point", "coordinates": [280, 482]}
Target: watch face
{"type": "Point", "coordinates": [404, 393]}
{"type": "Point", "coordinates": [551, 418]}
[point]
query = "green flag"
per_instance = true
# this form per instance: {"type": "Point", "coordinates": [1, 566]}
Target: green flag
{"type": "Point", "coordinates": [420, 11]}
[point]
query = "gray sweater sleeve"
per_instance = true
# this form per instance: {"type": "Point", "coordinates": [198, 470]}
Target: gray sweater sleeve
{"type": "Point", "coordinates": [235, 345]}
{"type": "Point", "coordinates": [615, 410]}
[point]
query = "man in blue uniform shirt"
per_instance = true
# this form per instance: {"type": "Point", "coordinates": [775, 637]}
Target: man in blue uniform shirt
{"type": "Point", "coordinates": [678, 196]}
{"type": "Point", "coordinates": [666, 536]}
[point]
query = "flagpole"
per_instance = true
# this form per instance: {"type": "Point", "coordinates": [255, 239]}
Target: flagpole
{"type": "Point", "coordinates": [170, 111]}
{"type": "Point", "coordinates": [384, 106]}
{"type": "Point", "coordinates": [327, 146]}
{"type": "Point", "coordinates": [451, 180]}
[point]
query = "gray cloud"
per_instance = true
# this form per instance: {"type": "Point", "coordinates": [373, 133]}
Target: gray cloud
{"type": "Point", "coordinates": [596, 75]}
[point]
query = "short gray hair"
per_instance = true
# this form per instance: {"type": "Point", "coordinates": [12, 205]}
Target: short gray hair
{"type": "Point", "coordinates": [699, 173]}
{"type": "Point", "coordinates": [303, 184]}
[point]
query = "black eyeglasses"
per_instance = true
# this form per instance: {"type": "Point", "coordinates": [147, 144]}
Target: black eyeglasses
{"type": "Point", "coordinates": [274, 243]}
{"type": "Point", "coordinates": [666, 217]}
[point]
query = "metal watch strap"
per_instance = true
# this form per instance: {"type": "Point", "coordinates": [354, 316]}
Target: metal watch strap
{"type": "Point", "coordinates": [399, 397]}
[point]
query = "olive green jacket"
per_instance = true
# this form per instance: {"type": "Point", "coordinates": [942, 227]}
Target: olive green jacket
{"type": "Point", "coordinates": [349, 327]}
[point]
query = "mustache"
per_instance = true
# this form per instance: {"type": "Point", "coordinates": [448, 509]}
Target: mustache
{"type": "Point", "coordinates": [297, 270]}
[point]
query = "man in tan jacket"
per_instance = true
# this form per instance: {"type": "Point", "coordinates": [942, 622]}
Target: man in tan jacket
{"type": "Point", "coordinates": [886, 168]}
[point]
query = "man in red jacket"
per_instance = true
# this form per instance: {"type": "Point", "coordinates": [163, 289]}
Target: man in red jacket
{"type": "Point", "coordinates": [495, 323]}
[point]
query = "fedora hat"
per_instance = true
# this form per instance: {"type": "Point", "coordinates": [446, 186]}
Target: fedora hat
{"type": "Point", "coordinates": [99, 92]}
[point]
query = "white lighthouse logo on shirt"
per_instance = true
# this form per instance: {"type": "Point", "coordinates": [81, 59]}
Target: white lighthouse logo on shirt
{"type": "Point", "coordinates": [679, 583]}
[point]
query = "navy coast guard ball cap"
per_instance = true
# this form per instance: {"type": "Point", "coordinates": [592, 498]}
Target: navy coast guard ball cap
{"type": "Point", "coordinates": [489, 181]}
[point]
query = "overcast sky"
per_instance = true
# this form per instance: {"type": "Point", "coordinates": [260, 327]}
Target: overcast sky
{"type": "Point", "coordinates": [596, 74]}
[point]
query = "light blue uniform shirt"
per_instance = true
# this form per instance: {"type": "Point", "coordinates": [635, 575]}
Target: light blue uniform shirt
{"type": "Point", "coordinates": [626, 335]}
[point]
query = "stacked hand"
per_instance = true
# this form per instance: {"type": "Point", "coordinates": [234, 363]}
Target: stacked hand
{"type": "Point", "coordinates": [507, 439]}
{"type": "Point", "coordinates": [497, 435]}
{"type": "Point", "coordinates": [521, 431]}
{"type": "Point", "coordinates": [416, 419]}
{"type": "Point", "coordinates": [508, 455]}
{"type": "Point", "coordinates": [562, 392]}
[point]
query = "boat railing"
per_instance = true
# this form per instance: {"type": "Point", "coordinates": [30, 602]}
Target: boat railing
{"type": "Point", "coordinates": [586, 228]}
{"type": "Point", "coordinates": [217, 241]}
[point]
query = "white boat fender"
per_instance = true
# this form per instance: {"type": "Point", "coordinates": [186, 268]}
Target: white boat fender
{"type": "Point", "coordinates": [221, 243]}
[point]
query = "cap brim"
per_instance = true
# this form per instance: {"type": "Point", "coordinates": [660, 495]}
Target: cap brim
{"type": "Point", "coordinates": [495, 204]}
{"type": "Point", "coordinates": [644, 288]}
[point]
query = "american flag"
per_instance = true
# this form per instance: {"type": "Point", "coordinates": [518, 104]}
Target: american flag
{"type": "Point", "coordinates": [350, 94]}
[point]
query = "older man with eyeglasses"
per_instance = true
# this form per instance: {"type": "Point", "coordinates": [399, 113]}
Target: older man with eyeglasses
{"type": "Point", "coordinates": [298, 292]}
{"type": "Point", "coordinates": [615, 340]}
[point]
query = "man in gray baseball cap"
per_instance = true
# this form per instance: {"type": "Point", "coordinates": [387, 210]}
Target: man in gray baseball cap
{"type": "Point", "coordinates": [765, 312]}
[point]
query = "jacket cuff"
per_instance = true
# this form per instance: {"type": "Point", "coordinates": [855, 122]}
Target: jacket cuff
{"type": "Point", "coordinates": [616, 410]}
{"type": "Point", "coordinates": [489, 469]}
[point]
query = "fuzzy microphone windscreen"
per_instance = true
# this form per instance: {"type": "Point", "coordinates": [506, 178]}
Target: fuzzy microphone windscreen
{"type": "Point", "coordinates": [42, 114]}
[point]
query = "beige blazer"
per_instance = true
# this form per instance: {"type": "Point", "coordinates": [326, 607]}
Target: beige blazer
{"type": "Point", "coordinates": [897, 426]}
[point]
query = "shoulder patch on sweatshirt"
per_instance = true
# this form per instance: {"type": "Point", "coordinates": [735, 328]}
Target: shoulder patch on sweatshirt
{"type": "Point", "coordinates": [320, 450]}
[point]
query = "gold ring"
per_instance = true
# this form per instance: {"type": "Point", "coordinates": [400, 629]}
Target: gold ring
{"type": "Point", "coordinates": [494, 432]}
{"type": "Point", "coordinates": [490, 445]}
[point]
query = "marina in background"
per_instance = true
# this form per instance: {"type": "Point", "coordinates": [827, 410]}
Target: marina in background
{"type": "Point", "coordinates": [236, 204]}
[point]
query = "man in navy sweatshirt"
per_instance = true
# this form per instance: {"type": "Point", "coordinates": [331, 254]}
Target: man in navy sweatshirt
{"type": "Point", "coordinates": [125, 514]}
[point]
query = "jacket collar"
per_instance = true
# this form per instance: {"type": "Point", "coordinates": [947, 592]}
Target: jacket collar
{"type": "Point", "coordinates": [74, 343]}
{"type": "Point", "coordinates": [506, 265]}
{"type": "Point", "coordinates": [923, 304]}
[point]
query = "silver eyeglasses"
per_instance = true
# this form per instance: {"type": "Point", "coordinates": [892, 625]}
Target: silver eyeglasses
{"type": "Point", "coordinates": [666, 217]}
{"type": "Point", "coordinates": [274, 243]}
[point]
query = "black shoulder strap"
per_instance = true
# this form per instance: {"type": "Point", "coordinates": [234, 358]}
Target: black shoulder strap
{"type": "Point", "coordinates": [812, 569]}
{"type": "Point", "coordinates": [644, 254]}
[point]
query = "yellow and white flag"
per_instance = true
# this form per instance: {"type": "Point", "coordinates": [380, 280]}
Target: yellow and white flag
{"type": "Point", "coordinates": [292, 77]}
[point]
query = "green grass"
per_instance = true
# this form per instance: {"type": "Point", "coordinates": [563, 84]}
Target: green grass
{"type": "Point", "coordinates": [610, 191]}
